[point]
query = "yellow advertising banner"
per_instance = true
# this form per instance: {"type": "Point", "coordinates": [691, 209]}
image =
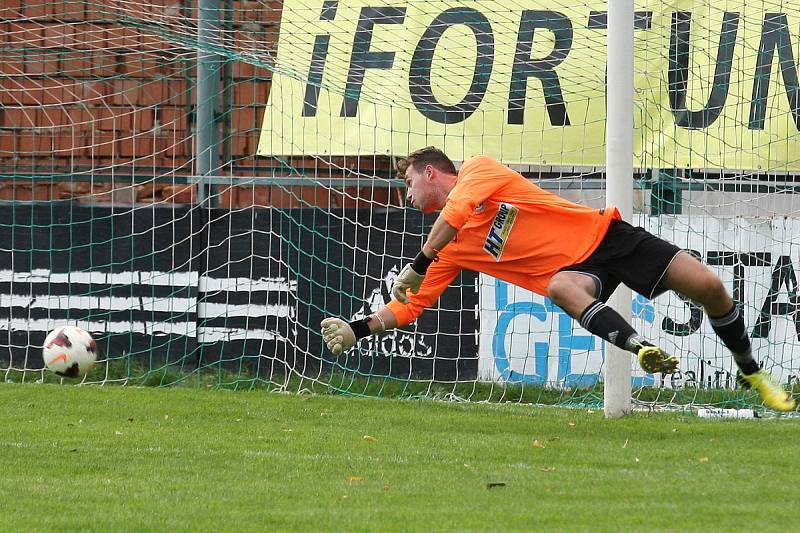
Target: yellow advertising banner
{"type": "Point", "coordinates": [716, 83]}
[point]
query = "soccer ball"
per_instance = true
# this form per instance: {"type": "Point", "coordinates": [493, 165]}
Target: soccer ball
{"type": "Point", "coordinates": [69, 351]}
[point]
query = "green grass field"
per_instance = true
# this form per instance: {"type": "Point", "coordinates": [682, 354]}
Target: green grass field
{"type": "Point", "coordinates": [147, 459]}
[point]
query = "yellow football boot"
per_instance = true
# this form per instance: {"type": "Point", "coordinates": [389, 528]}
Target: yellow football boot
{"type": "Point", "coordinates": [654, 360]}
{"type": "Point", "coordinates": [771, 393]}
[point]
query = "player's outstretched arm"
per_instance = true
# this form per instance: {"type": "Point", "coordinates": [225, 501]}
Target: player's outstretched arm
{"type": "Point", "coordinates": [340, 336]}
{"type": "Point", "coordinates": [410, 278]}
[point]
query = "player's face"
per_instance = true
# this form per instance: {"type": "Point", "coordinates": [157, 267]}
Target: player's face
{"type": "Point", "coordinates": [421, 189]}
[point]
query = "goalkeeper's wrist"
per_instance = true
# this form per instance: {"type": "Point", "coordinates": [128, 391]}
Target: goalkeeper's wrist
{"type": "Point", "coordinates": [421, 263]}
{"type": "Point", "coordinates": [360, 327]}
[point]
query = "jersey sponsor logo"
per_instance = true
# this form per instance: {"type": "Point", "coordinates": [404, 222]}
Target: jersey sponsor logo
{"type": "Point", "coordinates": [500, 230]}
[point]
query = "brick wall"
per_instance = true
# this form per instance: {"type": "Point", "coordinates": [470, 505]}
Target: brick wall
{"type": "Point", "coordinates": [91, 107]}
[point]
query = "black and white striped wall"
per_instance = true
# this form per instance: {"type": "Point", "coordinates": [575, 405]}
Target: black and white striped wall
{"type": "Point", "coordinates": [190, 286]}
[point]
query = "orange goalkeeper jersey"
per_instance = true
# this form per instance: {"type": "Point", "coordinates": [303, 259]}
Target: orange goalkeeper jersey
{"type": "Point", "coordinates": [510, 229]}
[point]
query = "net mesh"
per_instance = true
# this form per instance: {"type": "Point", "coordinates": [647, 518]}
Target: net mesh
{"type": "Point", "coordinates": [223, 280]}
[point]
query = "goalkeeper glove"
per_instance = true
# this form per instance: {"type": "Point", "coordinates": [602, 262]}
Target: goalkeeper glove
{"type": "Point", "coordinates": [407, 279]}
{"type": "Point", "coordinates": [338, 335]}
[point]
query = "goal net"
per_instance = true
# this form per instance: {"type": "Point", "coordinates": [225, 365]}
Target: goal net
{"type": "Point", "coordinates": [215, 264]}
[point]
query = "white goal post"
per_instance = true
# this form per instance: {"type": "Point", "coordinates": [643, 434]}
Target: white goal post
{"type": "Point", "coordinates": [619, 186]}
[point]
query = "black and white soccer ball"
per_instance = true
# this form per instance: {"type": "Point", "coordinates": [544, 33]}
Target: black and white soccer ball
{"type": "Point", "coordinates": [69, 351]}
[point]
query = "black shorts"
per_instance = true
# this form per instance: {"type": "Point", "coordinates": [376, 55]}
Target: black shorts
{"type": "Point", "coordinates": [629, 255]}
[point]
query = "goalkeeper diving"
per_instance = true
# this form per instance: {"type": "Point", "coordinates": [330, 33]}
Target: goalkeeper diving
{"type": "Point", "coordinates": [495, 221]}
